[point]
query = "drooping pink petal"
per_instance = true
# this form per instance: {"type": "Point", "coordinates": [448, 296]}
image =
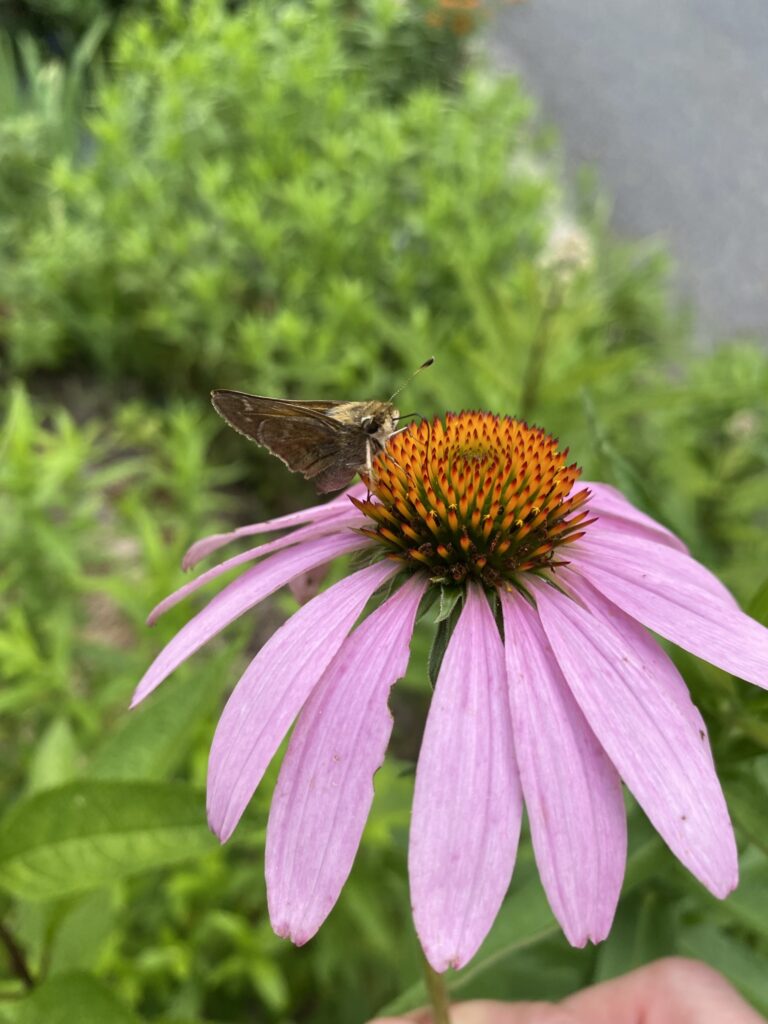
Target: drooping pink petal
{"type": "Point", "coordinates": [572, 792]}
{"type": "Point", "coordinates": [670, 596]}
{"type": "Point", "coordinates": [467, 803]}
{"type": "Point", "coordinates": [273, 689]}
{"type": "Point", "coordinates": [314, 514]}
{"type": "Point", "coordinates": [610, 504]}
{"type": "Point", "coordinates": [325, 526]}
{"type": "Point", "coordinates": [240, 595]}
{"type": "Point", "coordinates": [660, 755]}
{"type": "Point", "coordinates": [661, 668]}
{"type": "Point", "coordinates": [325, 788]}
{"type": "Point", "coordinates": [610, 543]}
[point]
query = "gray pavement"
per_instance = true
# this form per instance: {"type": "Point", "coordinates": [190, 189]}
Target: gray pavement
{"type": "Point", "coordinates": [668, 101]}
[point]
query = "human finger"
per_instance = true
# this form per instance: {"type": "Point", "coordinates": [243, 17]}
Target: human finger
{"type": "Point", "coordinates": [486, 1011]}
{"type": "Point", "coordinates": [674, 990]}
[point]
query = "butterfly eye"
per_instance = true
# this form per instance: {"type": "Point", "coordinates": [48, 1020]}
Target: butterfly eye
{"type": "Point", "coordinates": [369, 424]}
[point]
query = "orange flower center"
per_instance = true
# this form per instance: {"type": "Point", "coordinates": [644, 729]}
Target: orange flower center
{"type": "Point", "coordinates": [477, 497]}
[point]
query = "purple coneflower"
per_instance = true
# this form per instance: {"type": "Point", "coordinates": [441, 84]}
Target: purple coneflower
{"type": "Point", "coordinates": [551, 691]}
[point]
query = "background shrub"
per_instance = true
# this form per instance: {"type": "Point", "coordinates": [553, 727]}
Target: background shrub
{"type": "Point", "coordinates": [300, 199]}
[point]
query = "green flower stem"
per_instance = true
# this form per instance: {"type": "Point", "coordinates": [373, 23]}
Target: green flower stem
{"type": "Point", "coordinates": [438, 994]}
{"type": "Point", "coordinates": [537, 354]}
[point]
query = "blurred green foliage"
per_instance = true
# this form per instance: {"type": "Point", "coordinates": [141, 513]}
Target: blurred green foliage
{"type": "Point", "coordinates": [58, 25]}
{"type": "Point", "coordinates": [252, 196]}
{"type": "Point", "coordinates": [301, 199]}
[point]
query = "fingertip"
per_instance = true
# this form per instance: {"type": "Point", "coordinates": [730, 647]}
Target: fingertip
{"type": "Point", "coordinates": [486, 1011]}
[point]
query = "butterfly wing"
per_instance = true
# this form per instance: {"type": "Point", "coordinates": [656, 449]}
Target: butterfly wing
{"type": "Point", "coordinates": [244, 412]}
{"type": "Point", "coordinates": [301, 434]}
{"type": "Point", "coordinates": [336, 473]}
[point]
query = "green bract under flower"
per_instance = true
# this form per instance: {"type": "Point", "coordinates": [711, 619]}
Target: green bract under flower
{"type": "Point", "coordinates": [478, 497]}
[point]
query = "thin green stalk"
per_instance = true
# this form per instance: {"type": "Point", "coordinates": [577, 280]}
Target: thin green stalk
{"type": "Point", "coordinates": [537, 353]}
{"type": "Point", "coordinates": [16, 957]}
{"type": "Point", "coordinates": [438, 994]}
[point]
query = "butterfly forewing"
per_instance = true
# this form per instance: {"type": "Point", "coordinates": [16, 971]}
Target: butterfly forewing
{"type": "Point", "coordinates": [324, 441]}
{"type": "Point", "coordinates": [245, 412]}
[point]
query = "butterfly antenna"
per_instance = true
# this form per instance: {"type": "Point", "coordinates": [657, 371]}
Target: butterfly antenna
{"type": "Point", "coordinates": [424, 365]}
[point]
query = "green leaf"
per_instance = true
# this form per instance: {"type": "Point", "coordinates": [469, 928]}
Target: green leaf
{"type": "Point", "coordinates": [70, 998]}
{"type": "Point", "coordinates": [737, 961]}
{"type": "Point", "coordinates": [745, 906]}
{"type": "Point", "coordinates": [156, 736]}
{"type": "Point", "coordinates": [269, 981]}
{"type": "Point", "coordinates": [88, 834]}
{"type": "Point", "coordinates": [443, 634]}
{"type": "Point", "coordinates": [55, 757]}
{"type": "Point", "coordinates": [82, 933]}
{"type": "Point", "coordinates": [758, 606]}
{"type": "Point", "coordinates": [643, 930]}
{"type": "Point", "coordinates": [449, 598]}
{"type": "Point", "coordinates": [748, 804]}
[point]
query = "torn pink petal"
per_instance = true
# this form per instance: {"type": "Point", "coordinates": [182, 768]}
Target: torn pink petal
{"type": "Point", "coordinates": [325, 788]}
{"type": "Point", "coordinates": [324, 527]}
{"type": "Point", "coordinates": [240, 595]}
{"type": "Point", "coordinates": [572, 793]}
{"type": "Point", "coordinates": [610, 504]}
{"type": "Point", "coordinates": [315, 514]}
{"type": "Point", "coordinates": [662, 758]}
{"type": "Point", "coordinates": [672, 596]}
{"type": "Point", "coordinates": [467, 804]}
{"type": "Point", "coordinates": [273, 688]}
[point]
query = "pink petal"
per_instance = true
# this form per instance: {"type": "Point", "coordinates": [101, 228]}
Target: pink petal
{"type": "Point", "coordinates": [273, 688]}
{"type": "Point", "coordinates": [608, 503]}
{"type": "Point", "coordinates": [633, 706]}
{"type": "Point", "coordinates": [325, 526]}
{"type": "Point", "coordinates": [572, 792]}
{"type": "Point", "coordinates": [467, 804]}
{"type": "Point", "coordinates": [661, 667]}
{"type": "Point", "coordinates": [236, 598]}
{"type": "Point", "coordinates": [324, 792]}
{"type": "Point", "coordinates": [314, 514]}
{"type": "Point", "coordinates": [673, 596]}
{"type": "Point", "coordinates": [610, 543]}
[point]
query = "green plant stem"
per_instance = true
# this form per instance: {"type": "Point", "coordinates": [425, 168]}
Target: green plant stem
{"type": "Point", "coordinates": [534, 366]}
{"type": "Point", "coordinates": [16, 957]}
{"type": "Point", "coordinates": [438, 994]}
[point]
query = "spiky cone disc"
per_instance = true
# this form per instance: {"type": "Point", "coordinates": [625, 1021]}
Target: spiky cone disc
{"type": "Point", "coordinates": [477, 497]}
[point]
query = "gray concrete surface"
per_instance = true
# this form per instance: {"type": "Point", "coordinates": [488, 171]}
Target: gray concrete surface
{"type": "Point", "coordinates": [668, 101]}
